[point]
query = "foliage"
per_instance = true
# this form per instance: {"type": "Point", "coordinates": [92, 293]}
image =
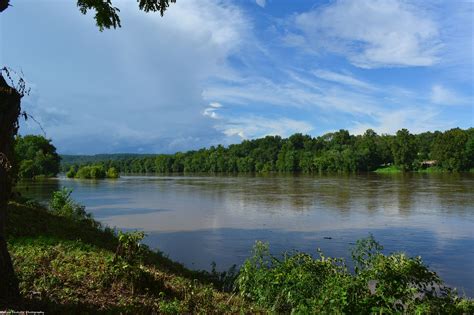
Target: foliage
{"type": "Point", "coordinates": [71, 173]}
{"type": "Point", "coordinates": [404, 149]}
{"type": "Point", "coordinates": [112, 173]}
{"type": "Point", "coordinates": [338, 152]}
{"type": "Point", "coordinates": [299, 283]}
{"type": "Point", "coordinates": [92, 172]}
{"type": "Point", "coordinates": [129, 247]}
{"type": "Point", "coordinates": [62, 204]}
{"type": "Point", "coordinates": [388, 170]}
{"type": "Point", "coordinates": [68, 266]}
{"type": "Point", "coordinates": [36, 156]}
{"type": "Point", "coordinates": [454, 149]}
{"type": "Point", "coordinates": [106, 15]}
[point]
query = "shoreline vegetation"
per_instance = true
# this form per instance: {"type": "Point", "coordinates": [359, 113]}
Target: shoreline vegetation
{"type": "Point", "coordinates": [337, 152]}
{"type": "Point", "coordinates": [92, 172]}
{"type": "Point", "coordinates": [68, 262]}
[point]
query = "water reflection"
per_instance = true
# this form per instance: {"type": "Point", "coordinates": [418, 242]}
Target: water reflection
{"type": "Point", "coordinates": [232, 246]}
{"type": "Point", "coordinates": [198, 219]}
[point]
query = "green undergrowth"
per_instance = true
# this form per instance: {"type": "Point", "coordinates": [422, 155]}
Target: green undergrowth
{"type": "Point", "coordinates": [392, 169]}
{"type": "Point", "coordinates": [70, 265]}
{"type": "Point", "coordinates": [299, 283]}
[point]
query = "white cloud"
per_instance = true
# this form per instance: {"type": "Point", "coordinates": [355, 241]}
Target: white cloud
{"type": "Point", "coordinates": [297, 93]}
{"type": "Point", "coordinates": [143, 91]}
{"type": "Point", "coordinates": [261, 3]}
{"type": "Point", "coordinates": [342, 79]}
{"type": "Point", "coordinates": [444, 96]}
{"type": "Point", "coordinates": [416, 120]}
{"type": "Point", "coordinates": [215, 105]}
{"type": "Point", "coordinates": [210, 112]}
{"type": "Point", "coordinates": [372, 33]}
{"type": "Point", "coordinates": [256, 127]}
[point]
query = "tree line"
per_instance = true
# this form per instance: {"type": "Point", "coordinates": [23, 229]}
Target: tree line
{"type": "Point", "coordinates": [452, 150]}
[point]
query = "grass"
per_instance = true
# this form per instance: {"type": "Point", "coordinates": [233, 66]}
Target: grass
{"type": "Point", "coordinates": [67, 266]}
{"type": "Point", "coordinates": [392, 169]}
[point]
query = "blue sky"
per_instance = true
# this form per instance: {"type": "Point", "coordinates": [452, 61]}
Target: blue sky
{"type": "Point", "coordinates": [213, 71]}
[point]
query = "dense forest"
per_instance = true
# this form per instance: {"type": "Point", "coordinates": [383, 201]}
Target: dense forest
{"type": "Point", "coordinates": [452, 150]}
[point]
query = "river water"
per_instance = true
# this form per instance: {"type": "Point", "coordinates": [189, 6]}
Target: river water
{"type": "Point", "coordinates": [200, 219]}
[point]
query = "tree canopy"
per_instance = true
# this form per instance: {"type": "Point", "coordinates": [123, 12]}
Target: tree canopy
{"type": "Point", "coordinates": [36, 156]}
{"type": "Point", "coordinates": [452, 150]}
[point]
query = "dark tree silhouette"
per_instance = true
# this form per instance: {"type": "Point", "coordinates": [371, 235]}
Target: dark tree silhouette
{"type": "Point", "coordinates": [9, 113]}
{"type": "Point", "coordinates": [4, 4]}
{"type": "Point", "coordinates": [106, 17]}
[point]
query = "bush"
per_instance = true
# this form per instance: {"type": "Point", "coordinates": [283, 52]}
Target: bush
{"type": "Point", "coordinates": [299, 283]}
{"type": "Point", "coordinates": [62, 204]}
{"type": "Point", "coordinates": [71, 173]}
{"type": "Point", "coordinates": [91, 172]}
{"type": "Point", "coordinates": [129, 247]}
{"type": "Point", "coordinates": [112, 173]}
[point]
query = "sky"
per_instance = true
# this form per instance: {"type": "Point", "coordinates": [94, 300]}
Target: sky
{"type": "Point", "coordinates": [218, 72]}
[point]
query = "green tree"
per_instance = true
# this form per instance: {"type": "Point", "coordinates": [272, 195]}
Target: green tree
{"type": "Point", "coordinates": [72, 172]}
{"type": "Point", "coordinates": [451, 150]}
{"type": "Point", "coordinates": [112, 173]}
{"type": "Point", "coordinates": [368, 153]}
{"type": "Point", "coordinates": [404, 149]}
{"type": "Point", "coordinates": [35, 156]}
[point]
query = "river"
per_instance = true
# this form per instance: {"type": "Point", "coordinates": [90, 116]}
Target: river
{"type": "Point", "coordinates": [200, 219]}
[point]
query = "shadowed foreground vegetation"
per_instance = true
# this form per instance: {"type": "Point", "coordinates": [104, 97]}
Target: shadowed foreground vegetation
{"type": "Point", "coordinates": [67, 262]}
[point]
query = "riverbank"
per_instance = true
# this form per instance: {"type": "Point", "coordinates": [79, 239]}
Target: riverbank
{"type": "Point", "coordinates": [70, 264]}
{"type": "Point", "coordinates": [66, 266]}
{"type": "Point", "coordinates": [392, 169]}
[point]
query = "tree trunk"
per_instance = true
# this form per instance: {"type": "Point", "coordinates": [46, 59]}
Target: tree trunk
{"type": "Point", "coordinates": [9, 113]}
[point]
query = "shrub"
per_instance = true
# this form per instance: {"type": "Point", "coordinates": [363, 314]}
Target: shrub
{"type": "Point", "coordinates": [91, 172]}
{"type": "Point", "coordinates": [62, 204]}
{"type": "Point", "coordinates": [112, 173]}
{"type": "Point", "coordinates": [380, 283]}
{"type": "Point", "coordinates": [71, 173]}
{"type": "Point", "coordinates": [129, 247]}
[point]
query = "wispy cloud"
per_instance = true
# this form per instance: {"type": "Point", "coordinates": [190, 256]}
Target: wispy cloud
{"type": "Point", "coordinates": [414, 119]}
{"type": "Point", "coordinates": [444, 96]}
{"type": "Point", "coordinates": [211, 111]}
{"type": "Point", "coordinates": [256, 127]}
{"type": "Point", "coordinates": [372, 34]}
{"type": "Point", "coordinates": [342, 79]}
{"type": "Point", "coordinates": [261, 3]}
